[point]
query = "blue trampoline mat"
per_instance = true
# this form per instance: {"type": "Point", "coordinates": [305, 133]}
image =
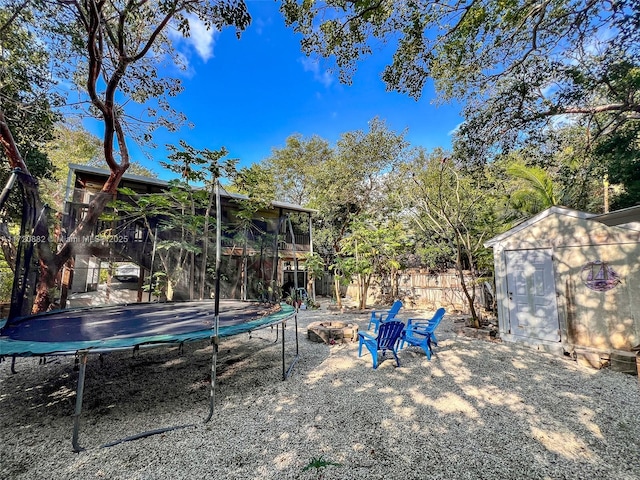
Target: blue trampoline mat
{"type": "Point", "coordinates": [65, 332]}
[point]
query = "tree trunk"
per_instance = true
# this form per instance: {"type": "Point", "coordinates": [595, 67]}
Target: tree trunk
{"type": "Point", "coordinates": [243, 278]}
{"type": "Point", "coordinates": [205, 247]}
{"type": "Point", "coordinates": [395, 290]}
{"type": "Point", "coordinates": [169, 289]}
{"type": "Point", "coordinates": [366, 283]}
{"type": "Point", "coordinates": [336, 287]}
{"type": "Point", "coordinates": [310, 289]}
{"type": "Point", "coordinates": [50, 264]}
{"type": "Point", "coordinates": [8, 247]}
{"type": "Point", "coordinates": [192, 255]}
{"type": "Point", "coordinates": [465, 290]}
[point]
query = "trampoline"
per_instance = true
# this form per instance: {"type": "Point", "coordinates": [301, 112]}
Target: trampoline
{"type": "Point", "coordinates": [102, 329]}
{"type": "Point", "coordinates": [85, 331]}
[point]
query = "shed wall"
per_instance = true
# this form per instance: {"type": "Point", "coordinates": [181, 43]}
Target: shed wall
{"type": "Point", "coordinates": [606, 320]}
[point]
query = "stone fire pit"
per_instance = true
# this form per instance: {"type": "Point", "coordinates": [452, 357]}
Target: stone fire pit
{"type": "Point", "coordinates": [330, 332]}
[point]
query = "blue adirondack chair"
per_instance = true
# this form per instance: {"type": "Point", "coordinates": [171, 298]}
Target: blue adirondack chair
{"type": "Point", "coordinates": [420, 332]}
{"type": "Point", "coordinates": [386, 339]}
{"type": "Point", "coordinates": [381, 316]}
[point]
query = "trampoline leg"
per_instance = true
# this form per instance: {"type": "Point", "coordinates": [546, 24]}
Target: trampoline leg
{"type": "Point", "coordinates": [78, 411]}
{"type": "Point", "coordinates": [287, 372]}
{"type": "Point", "coordinates": [296, 327]}
{"type": "Point", "coordinates": [212, 394]}
{"type": "Point", "coordinates": [284, 373]}
{"type": "Point", "coordinates": [13, 364]}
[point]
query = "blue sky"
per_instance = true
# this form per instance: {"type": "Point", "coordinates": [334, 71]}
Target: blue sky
{"type": "Point", "coordinates": [250, 94]}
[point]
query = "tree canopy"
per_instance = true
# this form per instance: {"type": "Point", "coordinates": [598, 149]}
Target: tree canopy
{"type": "Point", "coordinates": [514, 64]}
{"type": "Point", "coordinates": [111, 53]}
{"type": "Point", "coordinates": [26, 100]}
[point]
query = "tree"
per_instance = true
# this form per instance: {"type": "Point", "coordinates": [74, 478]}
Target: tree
{"type": "Point", "coordinates": [178, 219]}
{"type": "Point", "coordinates": [112, 50]}
{"type": "Point", "coordinates": [443, 201]}
{"type": "Point", "coordinates": [362, 160]}
{"type": "Point", "coordinates": [306, 170]}
{"type": "Point", "coordinates": [72, 143]}
{"type": "Point", "coordinates": [621, 153]}
{"type": "Point", "coordinates": [293, 165]}
{"type": "Point", "coordinates": [314, 265]}
{"type": "Point", "coordinates": [561, 170]}
{"type": "Point", "coordinates": [537, 190]}
{"type": "Point", "coordinates": [26, 100]}
{"type": "Point", "coordinates": [255, 183]}
{"type": "Point", "coordinates": [515, 65]}
{"type": "Point", "coordinates": [373, 248]}
{"type": "Point", "coordinates": [25, 103]}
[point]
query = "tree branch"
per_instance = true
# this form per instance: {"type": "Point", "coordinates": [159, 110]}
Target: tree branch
{"type": "Point", "coordinates": [11, 19]}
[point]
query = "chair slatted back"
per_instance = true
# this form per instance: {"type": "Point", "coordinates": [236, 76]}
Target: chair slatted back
{"type": "Point", "coordinates": [435, 321]}
{"type": "Point", "coordinates": [388, 334]}
{"type": "Point", "coordinates": [427, 326]}
{"type": "Point", "coordinates": [394, 310]}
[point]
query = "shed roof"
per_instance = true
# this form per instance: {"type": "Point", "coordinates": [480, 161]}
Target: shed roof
{"type": "Point", "coordinates": [620, 217]}
{"type": "Point", "coordinates": [555, 210]}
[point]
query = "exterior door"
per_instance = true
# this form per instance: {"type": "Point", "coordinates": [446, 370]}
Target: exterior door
{"type": "Point", "coordinates": [533, 311]}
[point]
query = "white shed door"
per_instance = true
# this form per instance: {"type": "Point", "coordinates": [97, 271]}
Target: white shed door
{"type": "Point", "coordinates": [533, 311]}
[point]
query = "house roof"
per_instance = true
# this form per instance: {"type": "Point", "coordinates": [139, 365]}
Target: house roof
{"type": "Point", "coordinates": [74, 167]}
{"type": "Point", "coordinates": [555, 210]}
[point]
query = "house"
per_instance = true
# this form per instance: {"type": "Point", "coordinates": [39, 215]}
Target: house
{"type": "Point", "coordinates": [253, 263]}
{"type": "Point", "coordinates": [568, 282]}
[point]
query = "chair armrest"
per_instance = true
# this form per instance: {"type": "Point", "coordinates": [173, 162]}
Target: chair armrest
{"type": "Point", "coordinates": [420, 322]}
{"type": "Point", "coordinates": [417, 330]}
{"type": "Point", "coordinates": [367, 336]}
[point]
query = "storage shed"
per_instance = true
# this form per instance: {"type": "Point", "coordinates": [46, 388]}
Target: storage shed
{"type": "Point", "coordinates": [569, 283]}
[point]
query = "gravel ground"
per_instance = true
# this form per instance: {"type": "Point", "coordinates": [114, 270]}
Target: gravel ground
{"type": "Point", "coordinates": [478, 410]}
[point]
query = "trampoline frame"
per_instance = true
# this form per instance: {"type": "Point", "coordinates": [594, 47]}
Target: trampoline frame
{"type": "Point", "coordinates": [82, 354]}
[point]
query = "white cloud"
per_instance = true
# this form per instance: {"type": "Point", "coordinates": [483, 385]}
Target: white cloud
{"type": "Point", "coordinates": [182, 62]}
{"type": "Point", "coordinates": [200, 39]}
{"type": "Point", "coordinates": [564, 120]}
{"type": "Point", "coordinates": [259, 24]}
{"type": "Point", "coordinates": [313, 66]}
{"type": "Point", "coordinates": [599, 42]}
{"type": "Point", "coordinates": [455, 129]}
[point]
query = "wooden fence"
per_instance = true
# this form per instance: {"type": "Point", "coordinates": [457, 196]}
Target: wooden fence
{"type": "Point", "coordinates": [422, 289]}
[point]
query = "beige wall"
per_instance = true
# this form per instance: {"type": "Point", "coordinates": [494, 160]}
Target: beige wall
{"type": "Point", "coordinates": [603, 320]}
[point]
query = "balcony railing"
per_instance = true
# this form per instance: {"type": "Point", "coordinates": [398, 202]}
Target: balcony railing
{"type": "Point", "coordinates": [133, 233]}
